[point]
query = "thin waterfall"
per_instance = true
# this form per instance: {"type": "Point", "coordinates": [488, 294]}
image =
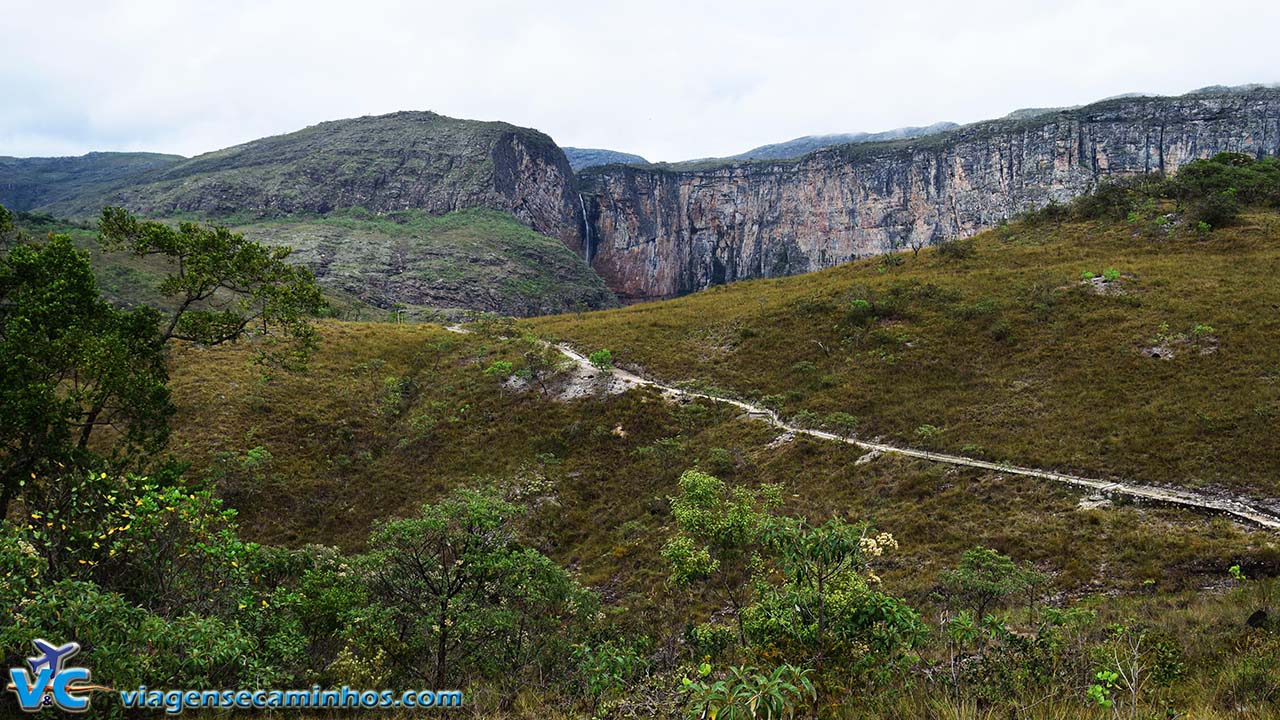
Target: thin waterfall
{"type": "Point", "coordinates": [586, 224]}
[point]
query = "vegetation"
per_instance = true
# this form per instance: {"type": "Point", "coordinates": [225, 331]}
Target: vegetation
{"type": "Point", "coordinates": [475, 259]}
{"type": "Point", "coordinates": [427, 507]}
{"type": "Point", "coordinates": [1002, 347]}
{"type": "Point", "coordinates": [410, 265]}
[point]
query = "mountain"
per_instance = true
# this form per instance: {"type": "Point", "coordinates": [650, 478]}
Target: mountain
{"type": "Point", "coordinates": [402, 161]}
{"type": "Point", "coordinates": [809, 143]}
{"type": "Point", "coordinates": [665, 230]}
{"type": "Point", "coordinates": [31, 183]}
{"type": "Point", "coordinates": [580, 158]}
{"type": "Point", "coordinates": [409, 211]}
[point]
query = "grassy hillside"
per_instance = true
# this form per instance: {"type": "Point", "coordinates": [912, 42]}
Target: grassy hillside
{"type": "Point", "coordinates": [389, 416]}
{"type": "Point", "coordinates": [28, 183]}
{"type": "Point", "coordinates": [471, 259]}
{"type": "Point", "coordinates": [1000, 348]}
{"type": "Point", "coordinates": [409, 263]}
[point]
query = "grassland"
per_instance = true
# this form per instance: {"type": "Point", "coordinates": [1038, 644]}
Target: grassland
{"type": "Point", "coordinates": [1004, 351]}
{"type": "Point", "coordinates": [390, 416]}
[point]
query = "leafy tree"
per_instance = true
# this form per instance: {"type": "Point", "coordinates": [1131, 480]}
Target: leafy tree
{"type": "Point", "coordinates": [542, 364]}
{"type": "Point", "coordinates": [69, 364]}
{"type": "Point", "coordinates": [720, 536]}
{"type": "Point", "coordinates": [464, 594]}
{"type": "Point", "coordinates": [985, 579]}
{"type": "Point", "coordinates": [828, 608]}
{"type": "Point", "coordinates": [223, 286]}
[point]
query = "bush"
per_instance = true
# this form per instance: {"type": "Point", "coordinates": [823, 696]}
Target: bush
{"type": "Point", "coordinates": [602, 360]}
{"type": "Point", "coordinates": [1217, 210]}
{"type": "Point", "coordinates": [959, 249]}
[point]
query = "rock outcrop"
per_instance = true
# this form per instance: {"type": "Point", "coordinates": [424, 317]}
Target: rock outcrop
{"type": "Point", "coordinates": [661, 231]}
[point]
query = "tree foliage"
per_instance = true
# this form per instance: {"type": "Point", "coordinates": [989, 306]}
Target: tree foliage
{"type": "Point", "coordinates": [69, 364]}
{"type": "Point", "coordinates": [465, 596]}
{"type": "Point", "coordinates": [223, 285]}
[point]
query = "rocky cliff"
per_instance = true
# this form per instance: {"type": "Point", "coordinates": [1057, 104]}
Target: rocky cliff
{"type": "Point", "coordinates": [402, 161]}
{"type": "Point", "coordinates": [660, 231]}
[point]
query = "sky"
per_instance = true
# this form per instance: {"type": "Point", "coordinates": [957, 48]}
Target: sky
{"type": "Point", "coordinates": [669, 80]}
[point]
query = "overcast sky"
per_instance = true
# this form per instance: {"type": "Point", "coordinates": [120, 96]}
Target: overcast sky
{"type": "Point", "coordinates": [667, 80]}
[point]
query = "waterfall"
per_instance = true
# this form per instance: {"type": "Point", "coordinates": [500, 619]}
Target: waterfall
{"type": "Point", "coordinates": [586, 225]}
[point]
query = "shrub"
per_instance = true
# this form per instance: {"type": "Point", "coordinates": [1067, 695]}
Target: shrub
{"type": "Point", "coordinates": [958, 249]}
{"type": "Point", "coordinates": [499, 368]}
{"type": "Point", "coordinates": [748, 693]}
{"type": "Point", "coordinates": [602, 360]}
{"type": "Point", "coordinates": [1217, 210]}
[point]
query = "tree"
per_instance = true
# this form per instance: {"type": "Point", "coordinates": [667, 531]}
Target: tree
{"type": "Point", "coordinates": [542, 364]}
{"type": "Point", "coordinates": [7, 229]}
{"type": "Point", "coordinates": [71, 363]}
{"type": "Point", "coordinates": [828, 608]}
{"type": "Point", "coordinates": [720, 535]}
{"type": "Point", "coordinates": [464, 593]}
{"type": "Point", "coordinates": [984, 579]}
{"type": "Point", "coordinates": [223, 286]}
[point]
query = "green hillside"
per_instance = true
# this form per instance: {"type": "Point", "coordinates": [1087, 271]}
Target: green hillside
{"type": "Point", "coordinates": [30, 183]}
{"type": "Point", "coordinates": [398, 161]}
{"type": "Point", "coordinates": [1001, 348]}
{"type": "Point", "coordinates": [389, 416]}
{"type": "Point", "coordinates": [413, 262]}
{"type": "Point", "coordinates": [409, 264]}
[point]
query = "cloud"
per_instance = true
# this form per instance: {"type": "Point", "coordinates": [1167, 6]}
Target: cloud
{"type": "Point", "coordinates": [665, 79]}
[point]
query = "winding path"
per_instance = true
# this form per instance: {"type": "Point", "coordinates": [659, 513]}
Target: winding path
{"type": "Point", "coordinates": [1234, 507]}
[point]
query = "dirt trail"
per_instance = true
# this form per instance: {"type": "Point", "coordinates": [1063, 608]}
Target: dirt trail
{"type": "Point", "coordinates": [620, 380]}
{"type": "Point", "coordinates": [1237, 508]}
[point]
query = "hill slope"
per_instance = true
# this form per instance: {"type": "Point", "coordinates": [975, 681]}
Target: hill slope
{"type": "Point", "coordinates": [1166, 374]}
{"type": "Point", "coordinates": [580, 158]}
{"type": "Point", "coordinates": [475, 259]}
{"type": "Point", "coordinates": [1004, 352]}
{"type": "Point", "coordinates": [402, 161]}
{"type": "Point", "coordinates": [30, 183]}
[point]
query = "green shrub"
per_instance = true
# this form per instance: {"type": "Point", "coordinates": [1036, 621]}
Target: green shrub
{"type": "Point", "coordinates": [602, 360]}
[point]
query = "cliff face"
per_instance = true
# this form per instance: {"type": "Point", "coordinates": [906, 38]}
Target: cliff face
{"type": "Point", "coordinates": [401, 161]}
{"type": "Point", "coordinates": [667, 230]}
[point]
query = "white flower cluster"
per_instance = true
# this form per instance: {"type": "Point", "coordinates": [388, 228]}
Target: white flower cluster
{"type": "Point", "coordinates": [874, 546]}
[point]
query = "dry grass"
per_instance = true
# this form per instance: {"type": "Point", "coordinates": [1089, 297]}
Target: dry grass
{"type": "Point", "coordinates": [1007, 351]}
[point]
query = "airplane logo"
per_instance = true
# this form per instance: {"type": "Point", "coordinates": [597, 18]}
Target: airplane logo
{"type": "Point", "coordinates": [50, 681]}
{"type": "Point", "coordinates": [53, 657]}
